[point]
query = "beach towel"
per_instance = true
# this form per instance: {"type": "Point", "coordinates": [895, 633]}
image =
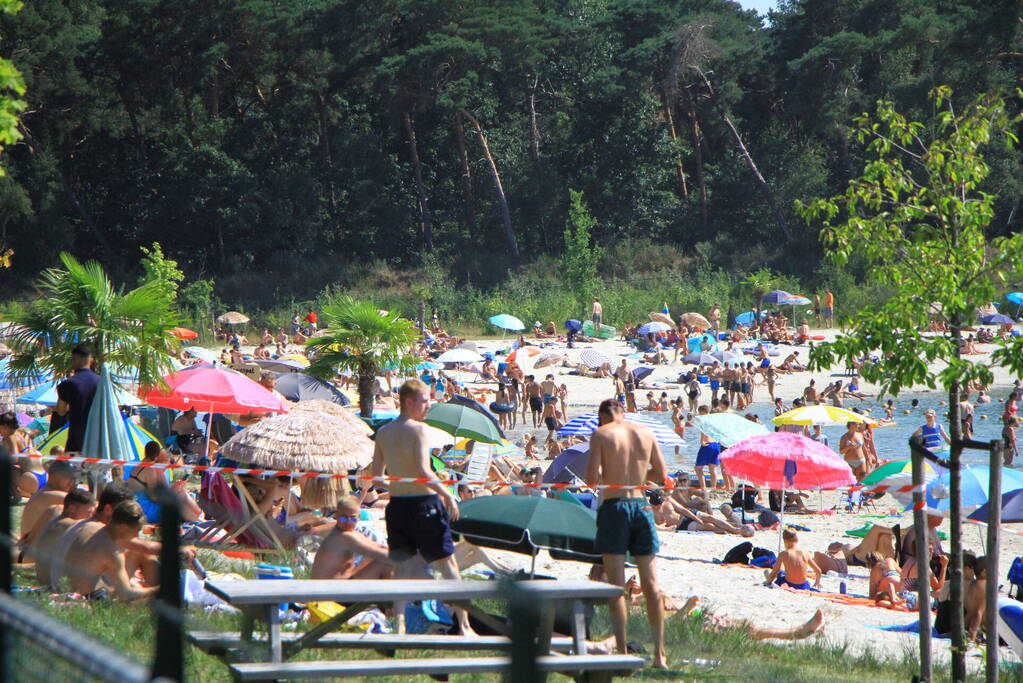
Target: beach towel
{"type": "Point", "coordinates": [859, 600]}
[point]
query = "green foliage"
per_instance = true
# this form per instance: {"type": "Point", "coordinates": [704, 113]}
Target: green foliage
{"type": "Point", "coordinates": [364, 340]}
{"type": "Point", "coordinates": [161, 271]}
{"type": "Point", "coordinates": [12, 85]}
{"type": "Point", "coordinates": [581, 257]}
{"type": "Point", "coordinates": [79, 304]}
{"type": "Point", "coordinates": [919, 216]}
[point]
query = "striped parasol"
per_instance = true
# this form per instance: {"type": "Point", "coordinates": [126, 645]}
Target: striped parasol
{"type": "Point", "coordinates": [585, 424]}
{"type": "Point", "coordinates": [594, 359]}
{"type": "Point", "coordinates": [820, 415]}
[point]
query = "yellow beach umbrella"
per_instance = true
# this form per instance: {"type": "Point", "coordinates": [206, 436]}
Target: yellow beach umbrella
{"type": "Point", "coordinates": [821, 415]}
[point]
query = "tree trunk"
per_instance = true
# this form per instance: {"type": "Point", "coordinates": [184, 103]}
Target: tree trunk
{"type": "Point", "coordinates": [513, 245]}
{"type": "Point", "coordinates": [534, 127]}
{"type": "Point", "coordinates": [466, 179]}
{"type": "Point", "coordinates": [422, 318]}
{"type": "Point", "coordinates": [955, 564]}
{"type": "Point", "coordinates": [697, 137]}
{"type": "Point", "coordinates": [425, 219]}
{"type": "Point", "coordinates": [366, 378]}
{"type": "Point", "coordinates": [670, 118]}
{"type": "Point", "coordinates": [762, 183]}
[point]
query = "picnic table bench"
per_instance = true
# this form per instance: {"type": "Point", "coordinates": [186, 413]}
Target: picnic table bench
{"type": "Point", "coordinates": [261, 599]}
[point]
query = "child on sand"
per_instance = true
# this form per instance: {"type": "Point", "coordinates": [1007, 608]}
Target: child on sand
{"type": "Point", "coordinates": [885, 579]}
{"type": "Point", "coordinates": [796, 562]}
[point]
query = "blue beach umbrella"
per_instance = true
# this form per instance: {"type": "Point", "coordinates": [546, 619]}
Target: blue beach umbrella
{"type": "Point", "coordinates": [507, 322]}
{"type": "Point", "coordinates": [975, 482]}
{"type": "Point", "coordinates": [585, 424]}
{"type": "Point", "coordinates": [997, 319]}
{"type": "Point", "coordinates": [778, 296]}
{"type": "Point", "coordinates": [429, 365]}
{"type": "Point", "coordinates": [1015, 297]}
{"type": "Point", "coordinates": [1012, 508]}
{"type": "Point", "coordinates": [747, 318]}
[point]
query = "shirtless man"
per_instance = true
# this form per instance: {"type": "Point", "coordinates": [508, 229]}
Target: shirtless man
{"type": "Point", "coordinates": [68, 555]}
{"type": "Point", "coordinates": [626, 454]}
{"type": "Point", "coordinates": [796, 562]}
{"type": "Point", "coordinates": [851, 447]}
{"type": "Point", "coordinates": [418, 515]}
{"type": "Point", "coordinates": [810, 393]}
{"type": "Point", "coordinates": [533, 390]}
{"type": "Point", "coordinates": [347, 553]}
{"type": "Point", "coordinates": [975, 598]}
{"type": "Point", "coordinates": [106, 563]}
{"type": "Point", "coordinates": [79, 504]}
{"type": "Point", "coordinates": [45, 505]}
{"type": "Point", "coordinates": [549, 389]}
{"type": "Point", "coordinates": [597, 315]}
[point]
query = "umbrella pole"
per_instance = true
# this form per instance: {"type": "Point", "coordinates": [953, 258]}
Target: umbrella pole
{"type": "Point", "coordinates": [532, 565]}
{"type": "Point", "coordinates": [209, 431]}
{"type": "Point", "coordinates": [781, 524]}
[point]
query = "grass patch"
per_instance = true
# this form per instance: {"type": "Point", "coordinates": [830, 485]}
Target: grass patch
{"type": "Point", "coordinates": [131, 629]}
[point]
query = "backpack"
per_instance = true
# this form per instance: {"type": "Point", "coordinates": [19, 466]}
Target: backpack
{"type": "Point", "coordinates": [739, 554]}
{"type": "Point", "coordinates": [1016, 577]}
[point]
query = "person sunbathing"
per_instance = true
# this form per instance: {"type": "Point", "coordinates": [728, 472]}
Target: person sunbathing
{"type": "Point", "coordinates": [885, 580]}
{"type": "Point", "coordinates": [692, 521]}
{"type": "Point", "coordinates": [348, 551]}
{"type": "Point", "coordinates": [104, 564]}
{"type": "Point", "coordinates": [45, 505]}
{"type": "Point", "coordinates": [791, 363]}
{"type": "Point", "coordinates": [840, 556]}
{"type": "Point", "coordinates": [796, 563]}
{"type": "Point", "coordinates": [79, 504]}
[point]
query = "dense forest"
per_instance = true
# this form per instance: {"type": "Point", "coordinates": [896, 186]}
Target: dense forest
{"type": "Point", "coordinates": [276, 147]}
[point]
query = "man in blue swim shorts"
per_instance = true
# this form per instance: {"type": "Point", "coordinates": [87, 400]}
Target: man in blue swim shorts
{"type": "Point", "coordinates": [419, 513]}
{"type": "Point", "coordinates": [626, 454]}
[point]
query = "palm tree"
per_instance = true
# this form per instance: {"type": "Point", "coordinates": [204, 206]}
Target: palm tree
{"type": "Point", "coordinates": [363, 340]}
{"type": "Point", "coordinates": [79, 305]}
{"type": "Point", "coordinates": [759, 283]}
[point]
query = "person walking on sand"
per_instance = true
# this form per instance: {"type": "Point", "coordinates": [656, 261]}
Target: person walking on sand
{"type": "Point", "coordinates": [597, 315]}
{"type": "Point", "coordinates": [829, 309]}
{"type": "Point", "coordinates": [626, 454]}
{"type": "Point", "coordinates": [714, 317]}
{"type": "Point", "coordinates": [419, 513]}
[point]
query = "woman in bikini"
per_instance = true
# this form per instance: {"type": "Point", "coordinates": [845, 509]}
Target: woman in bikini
{"type": "Point", "coordinates": [885, 580]}
{"type": "Point", "coordinates": [851, 447]}
{"type": "Point", "coordinates": [146, 481]}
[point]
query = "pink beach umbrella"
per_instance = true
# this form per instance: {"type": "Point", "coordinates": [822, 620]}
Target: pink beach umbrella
{"type": "Point", "coordinates": [784, 460]}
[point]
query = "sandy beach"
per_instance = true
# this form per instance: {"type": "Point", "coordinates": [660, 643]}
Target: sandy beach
{"type": "Point", "coordinates": [686, 564]}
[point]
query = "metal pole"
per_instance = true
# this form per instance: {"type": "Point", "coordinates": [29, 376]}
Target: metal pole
{"type": "Point", "coordinates": [923, 565]}
{"type": "Point", "coordinates": [168, 662]}
{"type": "Point", "coordinates": [993, 541]}
{"type": "Point", "coordinates": [6, 566]}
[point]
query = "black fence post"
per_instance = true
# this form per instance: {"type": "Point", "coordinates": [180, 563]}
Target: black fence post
{"type": "Point", "coordinates": [6, 555]}
{"type": "Point", "coordinates": [168, 660]}
{"type": "Point", "coordinates": [524, 622]}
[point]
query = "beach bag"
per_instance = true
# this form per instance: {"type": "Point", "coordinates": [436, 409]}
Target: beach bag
{"type": "Point", "coordinates": [739, 554]}
{"type": "Point", "coordinates": [1016, 577]}
{"type": "Point", "coordinates": [745, 498]}
{"type": "Point", "coordinates": [767, 519]}
{"type": "Point", "coordinates": [428, 616]}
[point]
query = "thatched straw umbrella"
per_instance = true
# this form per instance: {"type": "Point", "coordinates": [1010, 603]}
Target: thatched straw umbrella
{"type": "Point", "coordinates": [305, 441]}
{"type": "Point", "coordinates": [334, 410]}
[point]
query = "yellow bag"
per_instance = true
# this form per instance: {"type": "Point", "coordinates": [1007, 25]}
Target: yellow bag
{"type": "Point", "coordinates": [322, 611]}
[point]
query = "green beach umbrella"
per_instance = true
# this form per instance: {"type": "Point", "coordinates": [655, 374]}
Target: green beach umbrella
{"type": "Point", "coordinates": [525, 524]}
{"type": "Point", "coordinates": [893, 467]}
{"type": "Point", "coordinates": [461, 421]}
{"type": "Point", "coordinates": [105, 435]}
{"type": "Point", "coordinates": [728, 428]}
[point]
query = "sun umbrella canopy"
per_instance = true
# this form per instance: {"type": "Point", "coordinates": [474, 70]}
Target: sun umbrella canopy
{"type": "Point", "coordinates": [728, 357]}
{"type": "Point", "coordinates": [429, 365]}
{"type": "Point", "coordinates": [748, 318]}
{"type": "Point", "coordinates": [302, 441]}
{"type": "Point", "coordinates": [570, 464]}
{"type": "Point", "coordinates": [506, 322]}
{"type": "Point", "coordinates": [460, 420]}
{"type": "Point", "coordinates": [1012, 508]}
{"type": "Point", "coordinates": [661, 317]}
{"type": "Point", "coordinates": [472, 404]}
{"type": "Point", "coordinates": [728, 428]}
{"type": "Point", "coordinates": [785, 460]}
{"type": "Point", "coordinates": [548, 359]}
{"type": "Point", "coordinates": [233, 318]}
{"type": "Point", "coordinates": [1015, 297]}
{"type": "Point", "coordinates": [653, 328]}
{"type": "Point", "coordinates": [695, 320]}
{"type": "Point", "coordinates": [775, 297]}
{"type": "Point", "coordinates": [974, 487]}
{"type": "Point", "coordinates": [280, 365]}
{"type": "Point", "coordinates": [202, 354]}
{"type": "Point", "coordinates": [46, 395]}
{"type": "Point", "coordinates": [584, 425]}
{"type": "Point", "coordinates": [641, 373]}
{"type": "Point", "coordinates": [891, 468]}
{"type": "Point", "coordinates": [820, 415]}
{"type": "Point", "coordinates": [459, 356]}
{"type": "Point", "coordinates": [105, 436]}
{"type": "Point", "coordinates": [9, 380]}
{"type": "Point", "coordinates": [295, 386]}
{"type": "Point", "coordinates": [214, 390]}
{"type": "Point", "coordinates": [795, 300]}
{"type": "Point", "coordinates": [524, 355]}
{"type": "Point", "coordinates": [699, 358]}
{"type": "Point", "coordinates": [997, 319]}
{"type": "Point", "coordinates": [594, 359]}
{"type": "Point", "coordinates": [525, 524]}
{"type": "Point", "coordinates": [184, 333]}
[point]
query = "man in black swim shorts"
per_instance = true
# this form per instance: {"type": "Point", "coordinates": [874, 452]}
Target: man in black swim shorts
{"type": "Point", "coordinates": [419, 513]}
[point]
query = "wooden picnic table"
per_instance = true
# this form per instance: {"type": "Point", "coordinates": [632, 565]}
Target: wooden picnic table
{"type": "Point", "coordinates": [260, 599]}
